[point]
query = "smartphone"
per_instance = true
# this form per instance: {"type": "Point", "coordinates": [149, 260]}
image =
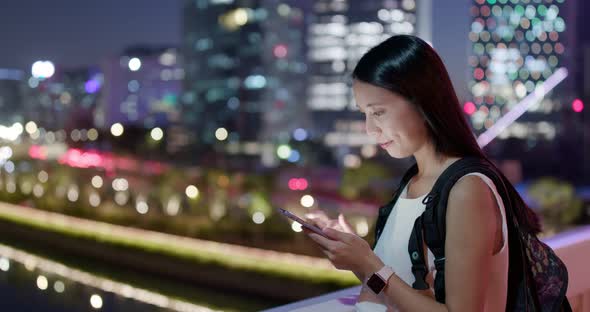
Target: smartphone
{"type": "Point", "coordinates": [303, 223]}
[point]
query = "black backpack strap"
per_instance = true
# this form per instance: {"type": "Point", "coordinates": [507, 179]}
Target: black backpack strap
{"type": "Point", "coordinates": [385, 210]}
{"type": "Point", "coordinates": [416, 250]}
{"type": "Point", "coordinates": [436, 203]}
{"type": "Point", "coordinates": [518, 267]}
{"type": "Point", "coordinates": [433, 223]}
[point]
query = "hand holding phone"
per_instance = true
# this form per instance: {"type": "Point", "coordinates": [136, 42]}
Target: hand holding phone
{"type": "Point", "coordinates": [303, 223]}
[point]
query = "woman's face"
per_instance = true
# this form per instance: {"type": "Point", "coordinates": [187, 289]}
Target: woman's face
{"type": "Point", "coordinates": [391, 120]}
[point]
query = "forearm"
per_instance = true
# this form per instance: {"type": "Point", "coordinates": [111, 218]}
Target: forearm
{"type": "Point", "coordinates": [400, 295]}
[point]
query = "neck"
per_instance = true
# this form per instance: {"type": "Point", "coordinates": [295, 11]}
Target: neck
{"type": "Point", "coordinates": [430, 163]}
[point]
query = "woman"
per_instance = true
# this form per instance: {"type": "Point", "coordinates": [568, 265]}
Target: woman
{"type": "Point", "coordinates": [411, 109]}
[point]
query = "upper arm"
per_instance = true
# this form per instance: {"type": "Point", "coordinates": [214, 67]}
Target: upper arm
{"type": "Point", "coordinates": [469, 244]}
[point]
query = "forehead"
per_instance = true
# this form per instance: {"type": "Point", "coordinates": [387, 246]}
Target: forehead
{"type": "Point", "coordinates": [368, 91]}
{"type": "Point", "coordinates": [367, 95]}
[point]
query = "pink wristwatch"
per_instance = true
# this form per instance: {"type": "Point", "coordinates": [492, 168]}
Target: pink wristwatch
{"type": "Point", "coordinates": [379, 279]}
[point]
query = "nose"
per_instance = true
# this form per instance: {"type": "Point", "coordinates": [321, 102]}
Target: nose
{"type": "Point", "coordinates": [372, 129]}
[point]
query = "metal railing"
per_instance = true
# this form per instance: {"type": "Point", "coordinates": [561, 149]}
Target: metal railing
{"type": "Point", "coordinates": [572, 246]}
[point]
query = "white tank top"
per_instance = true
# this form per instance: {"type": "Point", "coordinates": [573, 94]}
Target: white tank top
{"type": "Point", "coordinates": [392, 249]}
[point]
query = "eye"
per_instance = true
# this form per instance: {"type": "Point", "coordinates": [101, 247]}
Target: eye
{"type": "Point", "coordinates": [378, 113]}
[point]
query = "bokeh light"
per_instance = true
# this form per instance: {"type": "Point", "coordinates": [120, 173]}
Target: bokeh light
{"type": "Point", "coordinates": [59, 287]}
{"type": "Point", "coordinates": [42, 69]}
{"type": "Point", "coordinates": [96, 301]}
{"type": "Point", "coordinates": [117, 129]}
{"type": "Point", "coordinates": [296, 184]}
{"type": "Point", "coordinates": [192, 191]}
{"type": "Point", "coordinates": [296, 226]}
{"type": "Point", "coordinates": [300, 134]}
{"type": "Point", "coordinates": [284, 151]}
{"type": "Point", "coordinates": [134, 64]}
{"type": "Point", "coordinates": [157, 134]}
{"type": "Point", "coordinates": [307, 201]}
{"type": "Point", "coordinates": [258, 217]}
{"type": "Point", "coordinates": [42, 282]}
{"type": "Point", "coordinates": [97, 181]}
{"type": "Point", "coordinates": [4, 264]}
{"type": "Point", "coordinates": [469, 108]}
{"type": "Point", "coordinates": [578, 105]}
{"type": "Point", "coordinates": [31, 127]}
{"type": "Point", "coordinates": [280, 51]}
{"type": "Point", "coordinates": [221, 134]}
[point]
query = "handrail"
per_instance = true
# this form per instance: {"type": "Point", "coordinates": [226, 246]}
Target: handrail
{"type": "Point", "coordinates": [572, 246]}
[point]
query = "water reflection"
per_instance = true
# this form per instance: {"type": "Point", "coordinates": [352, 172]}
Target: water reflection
{"type": "Point", "coordinates": [32, 283]}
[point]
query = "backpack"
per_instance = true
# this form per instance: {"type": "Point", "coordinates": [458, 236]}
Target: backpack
{"type": "Point", "coordinates": [537, 278]}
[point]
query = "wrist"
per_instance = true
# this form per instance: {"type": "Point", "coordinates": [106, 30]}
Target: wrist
{"type": "Point", "coordinates": [372, 265]}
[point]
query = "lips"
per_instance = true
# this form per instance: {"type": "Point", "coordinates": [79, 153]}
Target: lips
{"type": "Point", "coordinates": [386, 144]}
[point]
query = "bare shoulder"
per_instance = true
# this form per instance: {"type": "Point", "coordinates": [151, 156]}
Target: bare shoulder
{"type": "Point", "coordinates": [469, 244]}
{"type": "Point", "coordinates": [471, 206]}
{"type": "Point", "coordinates": [471, 189]}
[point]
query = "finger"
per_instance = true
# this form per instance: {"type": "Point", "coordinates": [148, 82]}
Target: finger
{"type": "Point", "coordinates": [316, 220]}
{"type": "Point", "coordinates": [344, 224]}
{"type": "Point", "coordinates": [310, 220]}
{"type": "Point", "coordinates": [337, 235]}
{"type": "Point", "coordinates": [318, 214]}
{"type": "Point", "coordinates": [307, 230]}
{"type": "Point", "coordinates": [319, 223]}
{"type": "Point", "coordinates": [325, 243]}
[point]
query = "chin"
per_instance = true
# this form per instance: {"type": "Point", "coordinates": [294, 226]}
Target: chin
{"type": "Point", "coordinates": [397, 153]}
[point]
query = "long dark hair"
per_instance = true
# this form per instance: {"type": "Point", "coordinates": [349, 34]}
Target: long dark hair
{"type": "Point", "coordinates": [408, 66]}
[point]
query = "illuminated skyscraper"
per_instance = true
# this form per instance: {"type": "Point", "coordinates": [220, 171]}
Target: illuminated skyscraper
{"type": "Point", "coordinates": [340, 33]}
{"type": "Point", "coordinates": [270, 71]}
{"type": "Point", "coordinates": [516, 45]}
{"type": "Point", "coordinates": [245, 69]}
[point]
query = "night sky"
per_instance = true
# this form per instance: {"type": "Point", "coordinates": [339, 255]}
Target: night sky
{"type": "Point", "coordinates": [74, 33]}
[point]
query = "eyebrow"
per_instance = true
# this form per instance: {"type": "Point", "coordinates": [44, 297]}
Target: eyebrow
{"type": "Point", "coordinates": [369, 105]}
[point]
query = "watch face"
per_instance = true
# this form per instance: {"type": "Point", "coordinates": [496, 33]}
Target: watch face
{"type": "Point", "coordinates": [376, 283]}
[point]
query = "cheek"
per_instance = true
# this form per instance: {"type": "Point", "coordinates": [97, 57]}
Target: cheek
{"type": "Point", "coordinates": [409, 128]}
{"type": "Point", "coordinates": [408, 124]}
{"type": "Point", "coordinates": [417, 127]}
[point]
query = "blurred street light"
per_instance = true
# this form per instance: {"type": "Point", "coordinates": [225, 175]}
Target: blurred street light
{"type": "Point", "coordinates": [42, 69]}
{"type": "Point", "coordinates": [307, 201]}
{"type": "Point", "coordinates": [31, 127]}
{"type": "Point", "coordinates": [284, 151]}
{"type": "Point", "coordinates": [221, 134]}
{"type": "Point", "coordinates": [117, 129]}
{"type": "Point", "coordinates": [134, 64]}
{"type": "Point", "coordinates": [157, 134]}
{"type": "Point", "coordinates": [192, 191]}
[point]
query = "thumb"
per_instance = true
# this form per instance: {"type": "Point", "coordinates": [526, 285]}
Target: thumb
{"type": "Point", "coordinates": [344, 224]}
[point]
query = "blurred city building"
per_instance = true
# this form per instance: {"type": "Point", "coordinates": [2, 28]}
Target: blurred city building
{"type": "Point", "coordinates": [516, 46]}
{"type": "Point", "coordinates": [11, 84]}
{"type": "Point", "coordinates": [64, 98]}
{"type": "Point", "coordinates": [245, 80]}
{"type": "Point", "coordinates": [272, 72]}
{"type": "Point", "coordinates": [340, 33]}
{"type": "Point", "coordinates": [141, 88]}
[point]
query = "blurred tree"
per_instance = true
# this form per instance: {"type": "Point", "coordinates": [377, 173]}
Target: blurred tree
{"type": "Point", "coordinates": [557, 202]}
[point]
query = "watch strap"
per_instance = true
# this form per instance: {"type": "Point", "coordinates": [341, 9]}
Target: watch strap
{"type": "Point", "coordinates": [385, 273]}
